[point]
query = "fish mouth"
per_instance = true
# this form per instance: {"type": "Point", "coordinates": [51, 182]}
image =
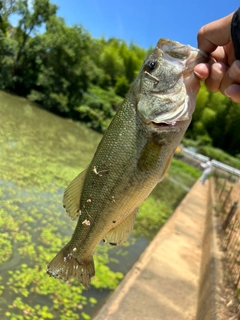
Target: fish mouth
{"type": "Point", "coordinates": [163, 125]}
{"type": "Point", "coordinates": [187, 55]}
{"type": "Point", "coordinates": [186, 58]}
{"type": "Point", "coordinates": [170, 100]}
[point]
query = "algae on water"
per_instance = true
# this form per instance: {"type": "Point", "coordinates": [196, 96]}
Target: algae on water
{"type": "Point", "coordinates": [40, 154]}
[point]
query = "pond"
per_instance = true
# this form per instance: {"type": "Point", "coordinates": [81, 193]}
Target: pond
{"type": "Point", "coordinates": [40, 153]}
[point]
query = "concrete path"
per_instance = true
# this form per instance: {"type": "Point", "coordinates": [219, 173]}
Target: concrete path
{"type": "Point", "coordinates": [163, 283]}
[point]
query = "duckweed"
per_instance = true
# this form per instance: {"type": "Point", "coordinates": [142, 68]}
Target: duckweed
{"type": "Point", "coordinates": [40, 154]}
{"type": "Point", "coordinates": [5, 247]}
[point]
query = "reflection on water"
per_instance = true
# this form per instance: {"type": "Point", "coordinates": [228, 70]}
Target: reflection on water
{"type": "Point", "coordinates": [40, 154]}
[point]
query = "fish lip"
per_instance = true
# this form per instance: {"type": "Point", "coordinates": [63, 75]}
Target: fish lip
{"type": "Point", "coordinates": [195, 55]}
{"type": "Point", "coordinates": [164, 125]}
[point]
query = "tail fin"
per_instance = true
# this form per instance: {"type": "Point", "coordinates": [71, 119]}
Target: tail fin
{"type": "Point", "coordinates": [65, 266]}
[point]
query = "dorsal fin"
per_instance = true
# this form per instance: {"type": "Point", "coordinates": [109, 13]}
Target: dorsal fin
{"type": "Point", "coordinates": [72, 196]}
{"type": "Point", "coordinates": [120, 233]}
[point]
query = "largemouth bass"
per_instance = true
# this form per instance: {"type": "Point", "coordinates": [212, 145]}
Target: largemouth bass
{"type": "Point", "coordinates": [132, 157]}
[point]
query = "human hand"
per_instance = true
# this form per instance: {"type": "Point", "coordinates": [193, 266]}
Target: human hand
{"type": "Point", "coordinates": [222, 73]}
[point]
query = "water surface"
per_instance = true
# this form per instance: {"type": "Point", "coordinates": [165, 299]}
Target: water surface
{"type": "Point", "coordinates": [40, 153]}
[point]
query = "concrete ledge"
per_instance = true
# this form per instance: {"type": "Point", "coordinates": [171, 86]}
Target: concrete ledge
{"type": "Point", "coordinates": [163, 284]}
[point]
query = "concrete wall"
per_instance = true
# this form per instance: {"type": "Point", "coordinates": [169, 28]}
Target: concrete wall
{"type": "Point", "coordinates": [211, 267]}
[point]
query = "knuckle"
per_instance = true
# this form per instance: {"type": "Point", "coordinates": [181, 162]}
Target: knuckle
{"type": "Point", "coordinates": [201, 32]}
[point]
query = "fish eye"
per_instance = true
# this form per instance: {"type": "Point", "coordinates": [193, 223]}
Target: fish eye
{"type": "Point", "coordinates": [152, 64]}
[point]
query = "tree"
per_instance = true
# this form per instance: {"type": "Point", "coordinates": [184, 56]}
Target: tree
{"type": "Point", "coordinates": [6, 8]}
{"type": "Point", "coordinates": [66, 67]}
{"type": "Point", "coordinates": [31, 18]}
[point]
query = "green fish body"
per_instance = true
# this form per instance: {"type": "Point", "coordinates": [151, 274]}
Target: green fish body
{"type": "Point", "coordinates": [132, 157]}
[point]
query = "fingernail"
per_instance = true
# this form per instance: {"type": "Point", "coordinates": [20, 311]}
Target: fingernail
{"type": "Point", "coordinates": [227, 93]}
{"type": "Point", "coordinates": [237, 62]}
{"type": "Point", "coordinates": [198, 76]}
{"type": "Point", "coordinates": [234, 71]}
{"type": "Point", "coordinates": [217, 73]}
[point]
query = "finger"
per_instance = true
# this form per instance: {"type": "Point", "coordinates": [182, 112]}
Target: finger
{"type": "Point", "coordinates": [217, 72]}
{"type": "Point", "coordinates": [224, 54]}
{"type": "Point", "coordinates": [233, 92]}
{"type": "Point", "coordinates": [214, 34]}
{"type": "Point", "coordinates": [192, 84]}
{"type": "Point", "coordinates": [202, 71]}
{"type": "Point", "coordinates": [234, 71]}
{"type": "Point", "coordinates": [232, 76]}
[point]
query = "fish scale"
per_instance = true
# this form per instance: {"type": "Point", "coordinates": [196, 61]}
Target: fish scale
{"type": "Point", "coordinates": [132, 157]}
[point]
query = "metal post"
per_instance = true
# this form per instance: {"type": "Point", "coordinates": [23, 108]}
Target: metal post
{"type": "Point", "coordinates": [223, 187]}
{"type": "Point", "coordinates": [230, 215]}
{"type": "Point", "coordinates": [227, 198]}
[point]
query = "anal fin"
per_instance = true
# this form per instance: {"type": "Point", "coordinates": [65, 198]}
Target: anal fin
{"type": "Point", "coordinates": [72, 195]}
{"type": "Point", "coordinates": [120, 233]}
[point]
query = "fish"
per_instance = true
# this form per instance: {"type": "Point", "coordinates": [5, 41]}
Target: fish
{"type": "Point", "coordinates": [132, 157]}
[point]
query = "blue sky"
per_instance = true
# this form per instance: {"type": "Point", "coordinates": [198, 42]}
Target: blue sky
{"type": "Point", "coordinates": [144, 21]}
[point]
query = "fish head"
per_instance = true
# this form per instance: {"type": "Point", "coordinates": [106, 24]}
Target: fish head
{"type": "Point", "coordinates": [166, 85]}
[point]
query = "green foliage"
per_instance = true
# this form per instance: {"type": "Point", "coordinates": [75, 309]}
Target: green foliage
{"type": "Point", "coordinates": [220, 155]}
{"type": "Point", "coordinates": [111, 61]}
{"type": "Point", "coordinates": [151, 216]}
{"type": "Point", "coordinates": [99, 107]}
{"type": "Point", "coordinates": [216, 121]}
{"type": "Point", "coordinates": [122, 86]}
{"type": "Point", "coordinates": [190, 143]}
{"type": "Point", "coordinates": [208, 117]}
{"type": "Point", "coordinates": [179, 167]}
{"type": "Point", "coordinates": [5, 247]}
{"type": "Point", "coordinates": [201, 101]}
{"type": "Point", "coordinates": [204, 140]}
{"type": "Point", "coordinates": [66, 70]}
{"type": "Point", "coordinates": [118, 60]}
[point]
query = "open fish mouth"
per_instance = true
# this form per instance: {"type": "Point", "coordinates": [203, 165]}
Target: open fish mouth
{"type": "Point", "coordinates": [186, 55]}
{"type": "Point", "coordinates": [164, 125]}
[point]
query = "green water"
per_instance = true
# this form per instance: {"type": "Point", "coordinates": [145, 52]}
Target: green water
{"type": "Point", "coordinates": [40, 154]}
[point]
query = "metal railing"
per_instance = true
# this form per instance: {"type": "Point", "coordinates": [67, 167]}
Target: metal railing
{"type": "Point", "coordinates": [216, 164]}
{"type": "Point", "coordinates": [228, 208]}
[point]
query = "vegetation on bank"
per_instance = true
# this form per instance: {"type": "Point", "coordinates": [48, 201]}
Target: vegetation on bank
{"type": "Point", "coordinates": [76, 76]}
{"type": "Point", "coordinates": [216, 122]}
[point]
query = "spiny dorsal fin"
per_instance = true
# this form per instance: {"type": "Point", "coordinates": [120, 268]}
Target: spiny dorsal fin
{"type": "Point", "coordinates": [120, 233]}
{"type": "Point", "coordinates": [72, 195]}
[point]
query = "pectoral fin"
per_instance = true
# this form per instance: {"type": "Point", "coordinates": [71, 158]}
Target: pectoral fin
{"type": "Point", "coordinates": [72, 195]}
{"type": "Point", "coordinates": [149, 156]}
{"type": "Point", "coordinates": [166, 167]}
{"type": "Point", "coordinates": [120, 233]}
